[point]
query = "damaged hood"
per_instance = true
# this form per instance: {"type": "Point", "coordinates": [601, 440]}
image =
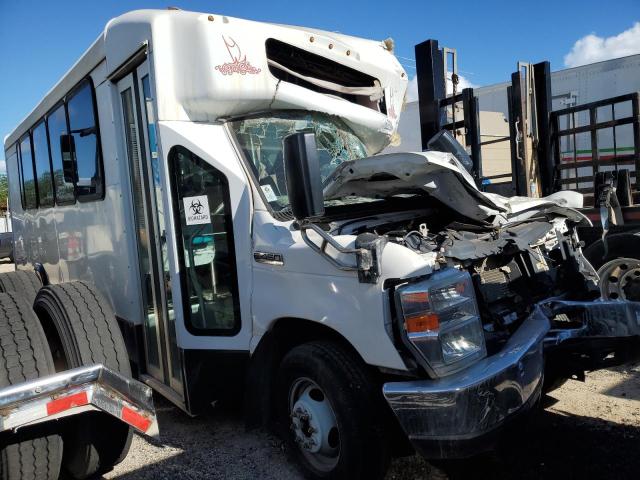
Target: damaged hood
{"type": "Point", "coordinates": [443, 177]}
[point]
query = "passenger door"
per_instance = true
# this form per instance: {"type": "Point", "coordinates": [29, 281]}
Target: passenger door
{"type": "Point", "coordinates": [163, 357]}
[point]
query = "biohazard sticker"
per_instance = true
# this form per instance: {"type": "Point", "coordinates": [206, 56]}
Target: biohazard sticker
{"type": "Point", "coordinates": [196, 210]}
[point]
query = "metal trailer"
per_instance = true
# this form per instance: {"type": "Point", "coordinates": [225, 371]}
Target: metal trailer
{"type": "Point", "coordinates": [571, 87]}
{"type": "Point", "coordinates": [198, 204]}
{"type": "Point", "coordinates": [573, 129]}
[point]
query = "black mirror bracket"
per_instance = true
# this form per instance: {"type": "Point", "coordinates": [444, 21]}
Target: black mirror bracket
{"type": "Point", "coordinates": [367, 256]}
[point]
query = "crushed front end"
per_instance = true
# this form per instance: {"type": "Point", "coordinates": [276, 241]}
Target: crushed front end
{"type": "Point", "coordinates": [508, 309]}
{"type": "Point", "coordinates": [511, 311]}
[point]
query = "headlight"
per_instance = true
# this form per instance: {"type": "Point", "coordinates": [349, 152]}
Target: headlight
{"type": "Point", "coordinates": [441, 321]}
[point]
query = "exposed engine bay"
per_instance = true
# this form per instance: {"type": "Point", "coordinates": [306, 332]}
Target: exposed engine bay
{"type": "Point", "coordinates": [513, 266]}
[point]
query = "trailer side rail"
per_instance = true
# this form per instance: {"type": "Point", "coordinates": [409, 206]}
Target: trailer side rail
{"type": "Point", "coordinates": [75, 391]}
{"type": "Point", "coordinates": [586, 140]}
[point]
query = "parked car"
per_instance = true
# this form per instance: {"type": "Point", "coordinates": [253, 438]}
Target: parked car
{"type": "Point", "coordinates": [6, 245]}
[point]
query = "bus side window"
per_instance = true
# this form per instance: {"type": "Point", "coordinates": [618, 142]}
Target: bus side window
{"type": "Point", "coordinates": [29, 191]}
{"type": "Point", "coordinates": [43, 168]}
{"type": "Point", "coordinates": [82, 125]}
{"type": "Point", "coordinates": [57, 129]}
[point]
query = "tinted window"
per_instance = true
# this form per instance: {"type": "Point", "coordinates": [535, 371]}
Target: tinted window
{"type": "Point", "coordinates": [29, 193]}
{"type": "Point", "coordinates": [57, 125]}
{"type": "Point", "coordinates": [43, 170]}
{"type": "Point", "coordinates": [82, 126]}
{"type": "Point", "coordinates": [207, 253]}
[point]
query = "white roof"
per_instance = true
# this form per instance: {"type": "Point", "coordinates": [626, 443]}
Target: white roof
{"type": "Point", "coordinates": [210, 67]}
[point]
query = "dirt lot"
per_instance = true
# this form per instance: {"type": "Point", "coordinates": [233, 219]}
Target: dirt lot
{"type": "Point", "coordinates": [587, 430]}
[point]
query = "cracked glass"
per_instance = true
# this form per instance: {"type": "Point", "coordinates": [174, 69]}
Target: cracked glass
{"type": "Point", "coordinates": [261, 141]}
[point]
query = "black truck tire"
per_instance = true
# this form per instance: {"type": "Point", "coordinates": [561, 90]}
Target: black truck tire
{"type": "Point", "coordinates": [619, 245]}
{"type": "Point", "coordinates": [356, 432]}
{"type": "Point", "coordinates": [23, 282]}
{"type": "Point", "coordinates": [25, 355]}
{"type": "Point", "coordinates": [89, 334]}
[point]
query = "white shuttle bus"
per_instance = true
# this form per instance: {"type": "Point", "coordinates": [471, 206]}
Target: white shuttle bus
{"type": "Point", "coordinates": [210, 186]}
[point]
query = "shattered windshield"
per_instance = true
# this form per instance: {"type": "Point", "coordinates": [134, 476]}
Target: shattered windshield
{"type": "Point", "coordinates": [261, 141]}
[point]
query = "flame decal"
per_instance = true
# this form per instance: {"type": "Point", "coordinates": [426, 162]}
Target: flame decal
{"type": "Point", "coordinates": [238, 64]}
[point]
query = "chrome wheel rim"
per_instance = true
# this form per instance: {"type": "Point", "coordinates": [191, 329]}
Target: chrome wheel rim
{"type": "Point", "coordinates": [620, 279]}
{"type": "Point", "coordinates": [313, 424]}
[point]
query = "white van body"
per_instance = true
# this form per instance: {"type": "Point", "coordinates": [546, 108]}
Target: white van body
{"type": "Point", "coordinates": [157, 176]}
{"type": "Point", "coordinates": [187, 53]}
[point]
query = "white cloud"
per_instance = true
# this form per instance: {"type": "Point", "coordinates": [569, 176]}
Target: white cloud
{"type": "Point", "coordinates": [463, 82]}
{"type": "Point", "coordinates": [3, 167]}
{"type": "Point", "coordinates": [412, 89]}
{"type": "Point", "coordinates": [592, 48]}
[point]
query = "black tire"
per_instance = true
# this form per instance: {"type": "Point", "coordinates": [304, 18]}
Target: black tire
{"type": "Point", "coordinates": [356, 402]}
{"type": "Point", "coordinates": [619, 245]}
{"type": "Point", "coordinates": [25, 355]}
{"type": "Point", "coordinates": [88, 333]}
{"type": "Point", "coordinates": [23, 282]}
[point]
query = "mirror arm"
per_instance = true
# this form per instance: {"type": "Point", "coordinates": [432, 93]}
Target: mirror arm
{"type": "Point", "coordinates": [365, 265]}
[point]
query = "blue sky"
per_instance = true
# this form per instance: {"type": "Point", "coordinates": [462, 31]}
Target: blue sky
{"type": "Point", "coordinates": [39, 41]}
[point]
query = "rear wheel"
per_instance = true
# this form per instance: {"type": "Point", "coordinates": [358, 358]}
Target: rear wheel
{"type": "Point", "coordinates": [25, 355]}
{"type": "Point", "coordinates": [331, 410]}
{"type": "Point", "coordinates": [618, 269]}
{"type": "Point", "coordinates": [23, 282]}
{"type": "Point", "coordinates": [620, 279]}
{"type": "Point", "coordinates": [88, 333]}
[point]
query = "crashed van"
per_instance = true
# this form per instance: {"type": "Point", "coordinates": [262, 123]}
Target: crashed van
{"type": "Point", "coordinates": [198, 205]}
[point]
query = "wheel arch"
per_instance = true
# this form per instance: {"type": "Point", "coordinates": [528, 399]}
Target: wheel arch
{"type": "Point", "coordinates": [284, 334]}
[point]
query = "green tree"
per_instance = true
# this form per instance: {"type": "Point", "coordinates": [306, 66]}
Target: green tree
{"type": "Point", "coordinates": [4, 191]}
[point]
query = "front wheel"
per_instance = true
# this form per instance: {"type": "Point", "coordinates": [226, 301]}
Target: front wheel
{"type": "Point", "coordinates": [332, 411]}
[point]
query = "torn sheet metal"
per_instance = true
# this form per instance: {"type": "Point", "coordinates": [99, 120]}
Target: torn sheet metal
{"type": "Point", "coordinates": [468, 245]}
{"type": "Point", "coordinates": [439, 174]}
{"type": "Point", "coordinates": [442, 176]}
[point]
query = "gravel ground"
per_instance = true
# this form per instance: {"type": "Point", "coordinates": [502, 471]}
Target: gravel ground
{"type": "Point", "coordinates": [587, 430]}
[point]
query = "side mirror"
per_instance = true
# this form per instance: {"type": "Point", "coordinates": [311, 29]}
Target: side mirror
{"type": "Point", "coordinates": [68, 150]}
{"type": "Point", "coordinates": [302, 170]}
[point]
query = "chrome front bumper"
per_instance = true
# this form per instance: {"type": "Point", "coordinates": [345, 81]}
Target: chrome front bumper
{"type": "Point", "coordinates": [449, 417]}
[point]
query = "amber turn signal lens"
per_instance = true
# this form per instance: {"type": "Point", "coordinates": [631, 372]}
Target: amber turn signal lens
{"type": "Point", "coordinates": [426, 322]}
